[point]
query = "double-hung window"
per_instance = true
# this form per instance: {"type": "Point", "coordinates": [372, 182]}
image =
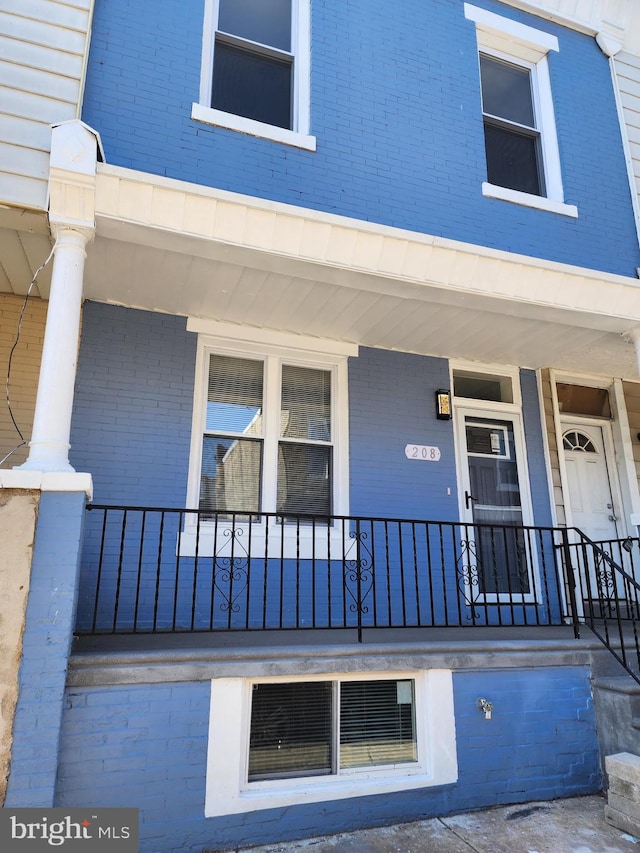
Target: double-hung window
{"type": "Point", "coordinates": [267, 450]}
{"type": "Point", "coordinates": [255, 69]}
{"type": "Point", "coordinates": [520, 140]}
{"type": "Point", "coordinates": [269, 443]}
{"type": "Point", "coordinates": [512, 140]}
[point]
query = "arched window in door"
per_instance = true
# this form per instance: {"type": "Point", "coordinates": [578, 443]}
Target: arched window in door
{"type": "Point", "coordinates": [574, 440]}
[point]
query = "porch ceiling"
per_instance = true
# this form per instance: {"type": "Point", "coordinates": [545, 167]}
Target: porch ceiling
{"type": "Point", "coordinates": [168, 246]}
{"type": "Point", "coordinates": [346, 308]}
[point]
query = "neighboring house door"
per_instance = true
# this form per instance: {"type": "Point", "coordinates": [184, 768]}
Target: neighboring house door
{"type": "Point", "coordinates": [590, 493]}
{"type": "Point", "coordinates": [590, 489]}
{"type": "Point", "coordinates": [491, 485]}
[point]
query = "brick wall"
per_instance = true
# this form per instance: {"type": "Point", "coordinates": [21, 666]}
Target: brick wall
{"type": "Point", "coordinates": [24, 371]}
{"type": "Point", "coordinates": [133, 404]}
{"type": "Point", "coordinates": [395, 107]}
{"type": "Point", "coordinates": [46, 645]}
{"type": "Point", "coordinates": [145, 746]}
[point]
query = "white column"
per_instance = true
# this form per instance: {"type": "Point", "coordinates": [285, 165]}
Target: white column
{"type": "Point", "coordinates": [49, 445]}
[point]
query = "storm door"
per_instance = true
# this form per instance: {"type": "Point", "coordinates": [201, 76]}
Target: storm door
{"type": "Point", "coordinates": [493, 506]}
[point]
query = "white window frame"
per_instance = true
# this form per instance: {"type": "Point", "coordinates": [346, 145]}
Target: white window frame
{"type": "Point", "coordinates": [299, 135]}
{"type": "Point", "coordinates": [527, 47]}
{"type": "Point", "coordinates": [229, 792]}
{"type": "Point", "coordinates": [275, 349]}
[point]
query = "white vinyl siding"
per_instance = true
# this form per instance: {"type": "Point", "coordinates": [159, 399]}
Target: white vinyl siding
{"type": "Point", "coordinates": [43, 55]}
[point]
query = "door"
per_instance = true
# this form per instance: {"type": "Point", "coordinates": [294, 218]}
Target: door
{"type": "Point", "coordinates": [491, 487]}
{"type": "Point", "coordinates": [590, 496]}
{"type": "Point", "coordinates": [590, 500]}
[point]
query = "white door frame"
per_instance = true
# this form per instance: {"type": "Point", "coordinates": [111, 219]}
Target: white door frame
{"type": "Point", "coordinates": [483, 410]}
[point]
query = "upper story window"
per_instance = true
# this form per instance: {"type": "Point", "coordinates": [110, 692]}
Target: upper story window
{"type": "Point", "coordinates": [255, 69]}
{"type": "Point", "coordinates": [521, 145]}
{"type": "Point", "coordinates": [511, 138]}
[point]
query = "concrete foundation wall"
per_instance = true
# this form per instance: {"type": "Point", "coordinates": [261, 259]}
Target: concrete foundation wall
{"type": "Point", "coordinates": [18, 513]}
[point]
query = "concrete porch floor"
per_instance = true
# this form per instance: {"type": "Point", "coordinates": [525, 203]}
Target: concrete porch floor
{"type": "Point", "coordinates": [574, 825]}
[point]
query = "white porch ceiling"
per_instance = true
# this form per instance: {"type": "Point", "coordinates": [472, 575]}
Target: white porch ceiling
{"type": "Point", "coordinates": [167, 246]}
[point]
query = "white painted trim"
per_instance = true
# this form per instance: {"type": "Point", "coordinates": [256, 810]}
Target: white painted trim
{"type": "Point", "coordinates": [627, 476]}
{"type": "Point", "coordinates": [529, 200]}
{"type": "Point", "coordinates": [240, 336]}
{"type": "Point", "coordinates": [227, 791]}
{"type": "Point", "coordinates": [219, 118]}
{"type": "Point", "coordinates": [519, 32]}
{"type": "Point", "coordinates": [47, 481]}
{"type": "Point", "coordinates": [546, 448]}
{"type": "Point", "coordinates": [203, 221]}
{"type": "Point", "coordinates": [546, 11]}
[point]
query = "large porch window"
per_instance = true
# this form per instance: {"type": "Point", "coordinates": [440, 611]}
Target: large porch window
{"type": "Point", "coordinates": [252, 440]}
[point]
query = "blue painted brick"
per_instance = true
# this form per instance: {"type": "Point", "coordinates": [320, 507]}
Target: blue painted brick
{"type": "Point", "coordinates": [395, 107]}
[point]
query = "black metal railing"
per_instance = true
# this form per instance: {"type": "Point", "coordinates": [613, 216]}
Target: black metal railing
{"type": "Point", "coordinates": [609, 594]}
{"type": "Point", "coordinates": [169, 570]}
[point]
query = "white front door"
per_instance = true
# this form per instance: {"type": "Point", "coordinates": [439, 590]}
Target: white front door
{"type": "Point", "coordinates": [590, 494]}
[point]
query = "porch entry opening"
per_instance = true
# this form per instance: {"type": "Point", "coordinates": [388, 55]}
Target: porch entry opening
{"type": "Point", "coordinates": [492, 497]}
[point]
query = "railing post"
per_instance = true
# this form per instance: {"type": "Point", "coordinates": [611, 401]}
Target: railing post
{"type": "Point", "coordinates": [570, 581]}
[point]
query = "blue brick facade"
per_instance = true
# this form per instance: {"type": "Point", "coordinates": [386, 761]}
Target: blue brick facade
{"type": "Point", "coordinates": [395, 108]}
{"type": "Point", "coordinates": [147, 745]}
{"type": "Point", "coordinates": [133, 407]}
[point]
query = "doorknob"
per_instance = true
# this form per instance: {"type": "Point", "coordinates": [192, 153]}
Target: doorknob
{"type": "Point", "coordinates": [613, 518]}
{"type": "Point", "coordinates": [468, 498]}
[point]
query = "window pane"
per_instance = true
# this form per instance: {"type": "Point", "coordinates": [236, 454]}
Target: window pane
{"type": "Point", "coordinates": [230, 480]}
{"type": "Point", "coordinates": [512, 159]}
{"type": "Point", "coordinates": [506, 91]}
{"type": "Point", "coordinates": [234, 399]}
{"type": "Point", "coordinates": [252, 85]}
{"type": "Point", "coordinates": [264, 21]}
{"type": "Point", "coordinates": [290, 730]}
{"type": "Point", "coordinates": [306, 403]}
{"type": "Point", "coordinates": [304, 478]}
{"type": "Point", "coordinates": [377, 723]}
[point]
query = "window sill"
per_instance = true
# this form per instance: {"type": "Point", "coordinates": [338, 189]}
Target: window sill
{"type": "Point", "coordinates": [528, 200]}
{"type": "Point", "coordinates": [226, 540]}
{"type": "Point", "coordinates": [254, 128]}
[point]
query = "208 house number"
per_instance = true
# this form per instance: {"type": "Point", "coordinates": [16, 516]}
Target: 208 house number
{"type": "Point", "coordinates": [423, 452]}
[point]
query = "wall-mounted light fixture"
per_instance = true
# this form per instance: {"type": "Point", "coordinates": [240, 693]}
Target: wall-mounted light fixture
{"type": "Point", "coordinates": [443, 404]}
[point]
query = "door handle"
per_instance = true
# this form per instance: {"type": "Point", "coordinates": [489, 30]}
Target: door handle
{"type": "Point", "coordinates": [468, 498]}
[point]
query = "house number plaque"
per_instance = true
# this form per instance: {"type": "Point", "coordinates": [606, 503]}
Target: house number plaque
{"type": "Point", "coordinates": [422, 452]}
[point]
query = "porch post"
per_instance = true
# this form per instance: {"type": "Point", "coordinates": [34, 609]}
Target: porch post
{"type": "Point", "coordinates": [72, 178]}
{"type": "Point", "coordinates": [49, 445]}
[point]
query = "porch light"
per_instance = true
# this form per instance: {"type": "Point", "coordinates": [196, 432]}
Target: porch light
{"type": "Point", "coordinates": [443, 404]}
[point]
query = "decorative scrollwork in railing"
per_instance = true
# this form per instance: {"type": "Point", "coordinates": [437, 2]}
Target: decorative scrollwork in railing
{"type": "Point", "coordinates": [605, 580]}
{"type": "Point", "coordinates": [231, 570]}
{"type": "Point", "coordinates": [468, 575]}
{"type": "Point", "coordinates": [358, 572]}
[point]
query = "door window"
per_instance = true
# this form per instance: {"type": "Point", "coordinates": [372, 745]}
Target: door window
{"type": "Point", "coordinates": [494, 502]}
